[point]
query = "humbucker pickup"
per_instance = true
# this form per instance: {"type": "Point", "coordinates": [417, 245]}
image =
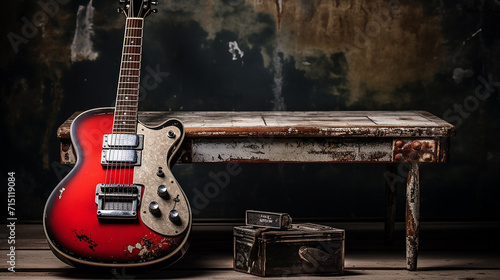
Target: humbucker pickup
{"type": "Point", "coordinates": [120, 141]}
{"type": "Point", "coordinates": [120, 157]}
{"type": "Point", "coordinates": [122, 149]}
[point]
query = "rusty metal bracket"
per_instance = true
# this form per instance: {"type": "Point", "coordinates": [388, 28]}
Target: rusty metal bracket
{"type": "Point", "coordinates": [414, 150]}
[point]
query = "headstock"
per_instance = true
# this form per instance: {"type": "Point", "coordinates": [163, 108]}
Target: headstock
{"type": "Point", "coordinates": [137, 8]}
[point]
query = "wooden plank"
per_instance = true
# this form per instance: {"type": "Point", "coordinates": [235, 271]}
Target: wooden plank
{"type": "Point", "coordinates": [412, 216]}
{"type": "Point", "coordinates": [367, 261]}
{"type": "Point", "coordinates": [195, 274]}
{"type": "Point", "coordinates": [291, 150]}
{"type": "Point", "coordinates": [299, 124]}
{"type": "Point", "coordinates": [232, 275]}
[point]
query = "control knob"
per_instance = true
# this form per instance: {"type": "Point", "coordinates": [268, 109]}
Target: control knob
{"type": "Point", "coordinates": [162, 192]}
{"type": "Point", "coordinates": [154, 208]}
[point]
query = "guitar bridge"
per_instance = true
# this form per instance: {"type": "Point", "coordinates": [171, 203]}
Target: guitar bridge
{"type": "Point", "coordinates": [117, 201]}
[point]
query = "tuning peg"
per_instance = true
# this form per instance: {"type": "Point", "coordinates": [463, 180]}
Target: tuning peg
{"type": "Point", "coordinates": [154, 11]}
{"type": "Point", "coordinates": [154, 2]}
{"type": "Point", "coordinates": [122, 1]}
{"type": "Point", "coordinates": [119, 10]}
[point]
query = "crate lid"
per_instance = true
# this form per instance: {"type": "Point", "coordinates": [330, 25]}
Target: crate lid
{"type": "Point", "coordinates": [297, 231]}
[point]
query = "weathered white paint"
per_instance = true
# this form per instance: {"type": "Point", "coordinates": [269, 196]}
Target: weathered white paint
{"type": "Point", "coordinates": [290, 150]}
{"type": "Point", "coordinates": [235, 50]}
{"type": "Point", "coordinates": [412, 216]}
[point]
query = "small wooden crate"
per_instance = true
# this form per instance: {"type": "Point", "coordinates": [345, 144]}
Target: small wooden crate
{"type": "Point", "coordinates": [302, 249]}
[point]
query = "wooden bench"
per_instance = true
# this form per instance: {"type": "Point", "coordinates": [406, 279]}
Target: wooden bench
{"type": "Point", "coordinates": [321, 137]}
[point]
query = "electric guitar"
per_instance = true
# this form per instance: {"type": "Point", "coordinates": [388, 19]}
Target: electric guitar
{"type": "Point", "coordinates": [120, 206]}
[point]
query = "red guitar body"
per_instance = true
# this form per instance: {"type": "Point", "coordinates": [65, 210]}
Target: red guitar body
{"type": "Point", "coordinates": [120, 206]}
{"type": "Point", "coordinates": [75, 232]}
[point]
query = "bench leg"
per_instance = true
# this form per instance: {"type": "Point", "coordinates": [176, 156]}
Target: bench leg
{"type": "Point", "coordinates": [391, 180]}
{"type": "Point", "coordinates": [412, 216]}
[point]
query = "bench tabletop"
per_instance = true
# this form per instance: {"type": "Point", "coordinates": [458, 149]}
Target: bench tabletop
{"type": "Point", "coordinates": [215, 124]}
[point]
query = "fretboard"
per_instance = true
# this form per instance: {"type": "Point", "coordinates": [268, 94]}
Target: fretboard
{"type": "Point", "coordinates": [127, 97]}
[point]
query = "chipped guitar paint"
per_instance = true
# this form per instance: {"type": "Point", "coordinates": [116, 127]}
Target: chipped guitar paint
{"type": "Point", "coordinates": [120, 206]}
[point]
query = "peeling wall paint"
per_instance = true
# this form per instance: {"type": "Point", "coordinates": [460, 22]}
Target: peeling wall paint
{"type": "Point", "coordinates": [380, 39]}
{"type": "Point", "coordinates": [235, 50]}
{"type": "Point", "coordinates": [82, 46]}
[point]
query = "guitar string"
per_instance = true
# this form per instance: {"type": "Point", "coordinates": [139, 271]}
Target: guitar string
{"type": "Point", "coordinates": [138, 55]}
{"type": "Point", "coordinates": [127, 122]}
{"type": "Point", "coordinates": [115, 168]}
{"type": "Point", "coordinates": [116, 173]}
{"type": "Point", "coordinates": [131, 119]}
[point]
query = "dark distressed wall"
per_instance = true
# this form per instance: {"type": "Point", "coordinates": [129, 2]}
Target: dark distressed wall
{"type": "Point", "coordinates": [438, 56]}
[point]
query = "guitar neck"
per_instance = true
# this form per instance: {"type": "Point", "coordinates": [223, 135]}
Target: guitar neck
{"type": "Point", "coordinates": [127, 97]}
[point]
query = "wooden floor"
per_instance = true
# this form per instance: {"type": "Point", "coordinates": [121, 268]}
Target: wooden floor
{"type": "Point", "coordinates": [447, 251]}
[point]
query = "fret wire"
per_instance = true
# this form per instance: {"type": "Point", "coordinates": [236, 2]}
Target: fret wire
{"type": "Point", "coordinates": [126, 110]}
{"type": "Point", "coordinates": [125, 120]}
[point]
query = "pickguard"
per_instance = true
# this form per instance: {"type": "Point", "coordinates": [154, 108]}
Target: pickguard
{"type": "Point", "coordinates": [159, 145]}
